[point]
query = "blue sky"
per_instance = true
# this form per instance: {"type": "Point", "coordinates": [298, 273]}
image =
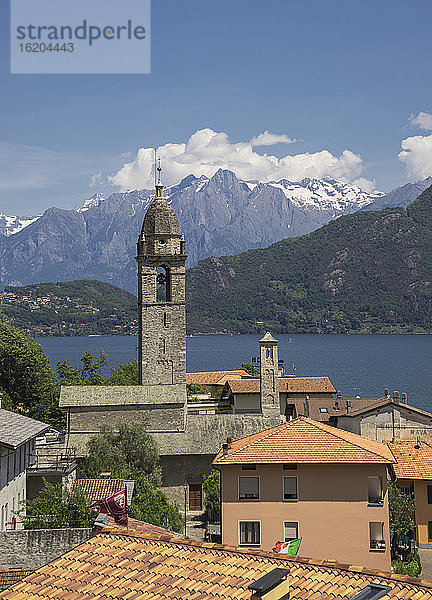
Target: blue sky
{"type": "Point", "coordinates": [334, 75]}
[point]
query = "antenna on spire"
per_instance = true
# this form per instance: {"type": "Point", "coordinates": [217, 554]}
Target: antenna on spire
{"type": "Point", "coordinates": [159, 171]}
{"type": "Point", "coordinates": [158, 183]}
{"type": "Point", "coordinates": [155, 159]}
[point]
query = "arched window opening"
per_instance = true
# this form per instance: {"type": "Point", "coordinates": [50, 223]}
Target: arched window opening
{"type": "Point", "coordinates": [269, 352]}
{"type": "Point", "coordinates": [163, 284]}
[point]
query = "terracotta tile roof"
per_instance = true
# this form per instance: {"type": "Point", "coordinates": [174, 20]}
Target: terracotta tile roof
{"type": "Point", "coordinates": [306, 385]}
{"type": "Point", "coordinates": [137, 567]}
{"type": "Point", "coordinates": [293, 385]}
{"type": "Point", "coordinates": [412, 462]}
{"type": "Point", "coordinates": [214, 377]}
{"type": "Point", "coordinates": [303, 440]}
{"type": "Point", "coordinates": [97, 489]}
{"type": "Point", "coordinates": [12, 576]}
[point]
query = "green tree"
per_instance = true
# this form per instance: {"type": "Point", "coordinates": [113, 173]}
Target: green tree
{"type": "Point", "coordinates": [402, 510]}
{"type": "Point", "coordinates": [91, 371]}
{"type": "Point", "coordinates": [411, 566]}
{"type": "Point", "coordinates": [152, 506]}
{"type": "Point", "coordinates": [131, 453]}
{"type": "Point", "coordinates": [57, 508]}
{"type": "Point", "coordinates": [212, 498]}
{"type": "Point", "coordinates": [27, 378]}
{"type": "Point", "coordinates": [124, 373]}
{"type": "Point", "coordinates": [249, 368]}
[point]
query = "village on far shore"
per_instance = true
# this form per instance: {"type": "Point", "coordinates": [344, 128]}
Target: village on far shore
{"type": "Point", "coordinates": [311, 482]}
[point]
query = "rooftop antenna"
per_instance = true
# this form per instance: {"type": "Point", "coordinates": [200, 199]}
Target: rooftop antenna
{"type": "Point", "coordinates": [155, 159]}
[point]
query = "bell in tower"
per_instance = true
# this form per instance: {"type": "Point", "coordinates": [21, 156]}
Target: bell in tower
{"type": "Point", "coordinates": [161, 295]}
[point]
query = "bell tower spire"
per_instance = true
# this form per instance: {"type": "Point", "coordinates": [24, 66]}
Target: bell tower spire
{"type": "Point", "coordinates": [161, 294]}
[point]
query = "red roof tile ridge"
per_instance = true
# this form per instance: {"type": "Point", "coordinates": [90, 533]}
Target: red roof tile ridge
{"type": "Point", "coordinates": [268, 554]}
{"type": "Point", "coordinates": [98, 479]}
{"type": "Point", "coordinates": [338, 433]}
{"type": "Point", "coordinates": [346, 436]}
{"type": "Point", "coordinates": [258, 438]}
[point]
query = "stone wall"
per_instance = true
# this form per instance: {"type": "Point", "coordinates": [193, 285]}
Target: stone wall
{"type": "Point", "coordinates": [34, 548]}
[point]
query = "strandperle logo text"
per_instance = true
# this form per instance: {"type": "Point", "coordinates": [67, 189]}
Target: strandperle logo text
{"type": "Point", "coordinates": [84, 31]}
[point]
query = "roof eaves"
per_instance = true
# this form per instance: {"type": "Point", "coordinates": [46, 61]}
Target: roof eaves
{"type": "Point", "coordinates": [395, 577]}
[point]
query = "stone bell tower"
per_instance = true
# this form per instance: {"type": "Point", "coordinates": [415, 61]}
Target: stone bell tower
{"type": "Point", "coordinates": [269, 375]}
{"type": "Point", "coordinates": [161, 296]}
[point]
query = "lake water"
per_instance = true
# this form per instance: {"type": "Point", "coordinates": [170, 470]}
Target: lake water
{"type": "Point", "coordinates": [357, 364]}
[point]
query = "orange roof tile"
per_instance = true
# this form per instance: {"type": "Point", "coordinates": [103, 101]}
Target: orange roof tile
{"type": "Point", "coordinates": [138, 567]}
{"type": "Point", "coordinates": [293, 385]}
{"type": "Point", "coordinates": [12, 576]}
{"type": "Point", "coordinates": [97, 489]}
{"type": "Point", "coordinates": [214, 377]}
{"type": "Point", "coordinates": [304, 441]}
{"type": "Point", "coordinates": [412, 462]}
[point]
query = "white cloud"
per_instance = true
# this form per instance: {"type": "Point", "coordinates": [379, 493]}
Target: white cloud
{"type": "Point", "coordinates": [96, 179]}
{"type": "Point", "coordinates": [206, 151]}
{"type": "Point", "coordinates": [365, 184]}
{"type": "Point", "coordinates": [416, 154]}
{"type": "Point", "coordinates": [269, 139]}
{"type": "Point", "coordinates": [423, 120]}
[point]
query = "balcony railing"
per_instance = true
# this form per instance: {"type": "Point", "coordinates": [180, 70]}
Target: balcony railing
{"type": "Point", "coordinates": [55, 462]}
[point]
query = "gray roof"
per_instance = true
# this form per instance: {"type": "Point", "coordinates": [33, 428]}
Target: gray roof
{"type": "Point", "coordinates": [16, 429]}
{"type": "Point", "coordinates": [118, 395]}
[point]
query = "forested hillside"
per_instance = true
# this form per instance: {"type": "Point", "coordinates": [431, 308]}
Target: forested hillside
{"type": "Point", "coordinates": [365, 272]}
{"type": "Point", "coordinates": [71, 308]}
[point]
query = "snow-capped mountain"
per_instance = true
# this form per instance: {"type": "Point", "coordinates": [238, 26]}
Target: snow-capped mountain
{"type": "Point", "coordinates": [93, 201]}
{"type": "Point", "coordinates": [326, 194]}
{"type": "Point", "coordinates": [10, 225]}
{"type": "Point", "coordinates": [218, 215]}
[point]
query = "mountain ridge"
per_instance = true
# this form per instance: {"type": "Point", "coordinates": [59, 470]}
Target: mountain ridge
{"type": "Point", "coordinates": [218, 215]}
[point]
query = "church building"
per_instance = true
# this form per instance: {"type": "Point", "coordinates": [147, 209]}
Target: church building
{"type": "Point", "coordinates": [188, 439]}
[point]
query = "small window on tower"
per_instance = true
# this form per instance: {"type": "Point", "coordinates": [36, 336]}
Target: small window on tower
{"type": "Point", "coordinates": [269, 353]}
{"type": "Point", "coordinates": [163, 285]}
{"type": "Point", "coordinates": [162, 241]}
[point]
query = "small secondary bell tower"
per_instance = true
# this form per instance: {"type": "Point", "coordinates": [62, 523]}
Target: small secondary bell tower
{"type": "Point", "coordinates": [269, 376]}
{"type": "Point", "coordinates": [161, 295]}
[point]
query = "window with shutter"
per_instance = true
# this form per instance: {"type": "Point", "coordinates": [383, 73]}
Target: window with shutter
{"type": "Point", "coordinates": [248, 488]}
{"type": "Point", "coordinates": [290, 488]}
{"type": "Point", "coordinates": [291, 530]}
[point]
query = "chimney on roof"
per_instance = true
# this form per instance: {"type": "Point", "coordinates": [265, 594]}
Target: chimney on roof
{"type": "Point", "coordinates": [306, 406]}
{"type": "Point", "coordinates": [224, 449]}
{"type": "Point", "coordinates": [339, 394]}
{"type": "Point", "coordinates": [348, 406]}
{"type": "Point", "coordinates": [396, 397]}
{"type": "Point", "coordinates": [418, 442]}
{"type": "Point", "coordinates": [229, 442]}
{"type": "Point", "coordinates": [271, 586]}
{"type": "Point", "coordinates": [404, 398]}
{"type": "Point", "coordinates": [386, 392]}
